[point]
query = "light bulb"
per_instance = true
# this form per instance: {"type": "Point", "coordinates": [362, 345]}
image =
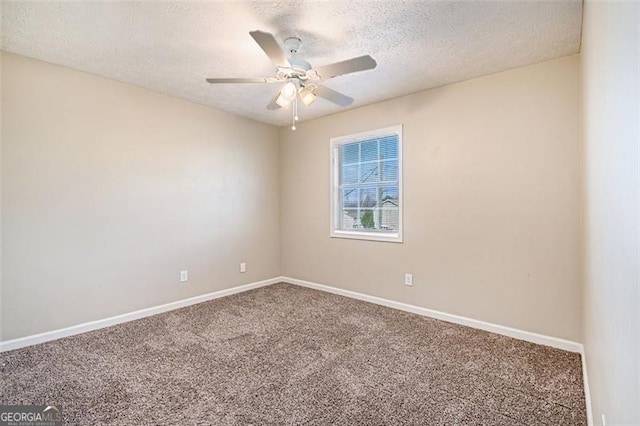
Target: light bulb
{"type": "Point", "coordinates": [293, 127]}
{"type": "Point", "coordinates": [295, 118]}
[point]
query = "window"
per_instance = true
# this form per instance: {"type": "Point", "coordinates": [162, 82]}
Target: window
{"type": "Point", "coordinates": [366, 182]}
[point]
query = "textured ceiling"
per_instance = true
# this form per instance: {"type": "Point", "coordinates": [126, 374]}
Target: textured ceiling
{"type": "Point", "coordinates": [171, 47]}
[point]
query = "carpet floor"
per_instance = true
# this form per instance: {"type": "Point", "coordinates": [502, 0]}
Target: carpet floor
{"type": "Point", "coordinates": [289, 355]}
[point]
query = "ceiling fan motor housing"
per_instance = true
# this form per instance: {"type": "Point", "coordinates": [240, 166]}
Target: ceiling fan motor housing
{"type": "Point", "coordinates": [299, 64]}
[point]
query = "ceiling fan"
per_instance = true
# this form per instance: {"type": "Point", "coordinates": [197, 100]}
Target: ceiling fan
{"type": "Point", "coordinates": [299, 78]}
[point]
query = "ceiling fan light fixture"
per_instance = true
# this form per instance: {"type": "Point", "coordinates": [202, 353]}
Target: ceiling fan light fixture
{"type": "Point", "coordinates": [283, 102]}
{"type": "Point", "coordinates": [307, 96]}
{"type": "Point", "coordinates": [289, 91]}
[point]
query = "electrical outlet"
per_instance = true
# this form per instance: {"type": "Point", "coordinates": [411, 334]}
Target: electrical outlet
{"type": "Point", "coordinates": [184, 276]}
{"type": "Point", "coordinates": [408, 279]}
{"type": "Point", "coordinates": [243, 267]}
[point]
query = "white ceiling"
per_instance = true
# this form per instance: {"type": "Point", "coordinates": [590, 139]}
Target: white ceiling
{"type": "Point", "coordinates": [171, 47]}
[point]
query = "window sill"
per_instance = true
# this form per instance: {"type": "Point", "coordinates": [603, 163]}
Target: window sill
{"type": "Point", "coordinates": [368, 236]}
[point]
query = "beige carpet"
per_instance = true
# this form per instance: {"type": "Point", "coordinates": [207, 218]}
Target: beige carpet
{"type": "Point", "coordinates": [289, 355]}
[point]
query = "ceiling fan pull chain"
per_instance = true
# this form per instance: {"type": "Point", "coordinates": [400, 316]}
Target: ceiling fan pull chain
{"type": "Point", "coordinates": [295, 113]}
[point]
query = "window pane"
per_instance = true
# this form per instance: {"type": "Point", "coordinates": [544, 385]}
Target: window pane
{"type": "Point", "coordinates": [349, 219]}
{"type": "Point", "coordinates": [368, 197]}
{"type": "Point", "coordinates": [367, 219]}
{"type": "Point", "coordinates": [389, 171]}
{"type": "Point", "coordinates": [389, 196]}
{"type": "Point", "coordinates": [349, 198]}
{"type": "Point", "coordinates": [350, 153]}
{"type": "Point", "coordinates": [389, 218]}
{"type": "Point", "coordinates": [389, 148]}
{"type": "Point", "coordinates": [369, 173]}
{"type": "Point", "coordinates": [349, 174]}
{"type": "Point", "coordinates": [369, 151]}
{"type": "Point", "coordinates": [389, 208]}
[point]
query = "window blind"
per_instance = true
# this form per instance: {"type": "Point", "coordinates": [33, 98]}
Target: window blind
{"type": "Point", "coordinates": [368, 185]}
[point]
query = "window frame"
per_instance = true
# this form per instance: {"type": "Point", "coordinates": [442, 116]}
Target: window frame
{"type": "Point", "coordinates": [335, 143]}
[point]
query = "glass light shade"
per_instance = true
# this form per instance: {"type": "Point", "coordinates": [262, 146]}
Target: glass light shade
{"type": "Point", "coordinates": [307, 96]}
{"type": "Point", "coordinates": [289, 91]}
{"type": "Point", "coordinates": [283, 102]}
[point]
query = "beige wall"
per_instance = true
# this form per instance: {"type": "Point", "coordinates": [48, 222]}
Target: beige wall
{"type": "Point", "coordinates": [491, 193]}
{"type": "Point", "coordinates": [611, 74]}
{"type": "Point", "coordinates": [109, 190]}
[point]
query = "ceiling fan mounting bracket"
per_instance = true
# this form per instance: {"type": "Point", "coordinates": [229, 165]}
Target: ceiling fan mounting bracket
{"type": "Point", "coordinates": [292, 44]}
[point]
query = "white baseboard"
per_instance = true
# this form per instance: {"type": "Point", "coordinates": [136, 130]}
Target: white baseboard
{"type": "Point", "coordinates": [22, 342]}
{"type": "Point", "coordinates": [587, 391]}
{"type": "Point", "coordinates": [528, 336]}
{"type": "Point", "coordinates": [94, 325]}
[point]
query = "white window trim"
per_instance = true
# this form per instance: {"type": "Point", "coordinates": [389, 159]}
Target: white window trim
{"type": "Point", "coordinates": [395, 237]}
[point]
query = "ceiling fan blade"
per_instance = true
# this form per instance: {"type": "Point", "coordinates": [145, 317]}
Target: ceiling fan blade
{"type": "Point", "coordinates": [333, 96]}
{"type": "Point", "coordinates": [360, 63]}
{"type": "Point", "coordinates": [242, 80]}
{"type": "Point", "coordinates": [273, 105]}
{"type": "Point", "coordinates": [271, 47]}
